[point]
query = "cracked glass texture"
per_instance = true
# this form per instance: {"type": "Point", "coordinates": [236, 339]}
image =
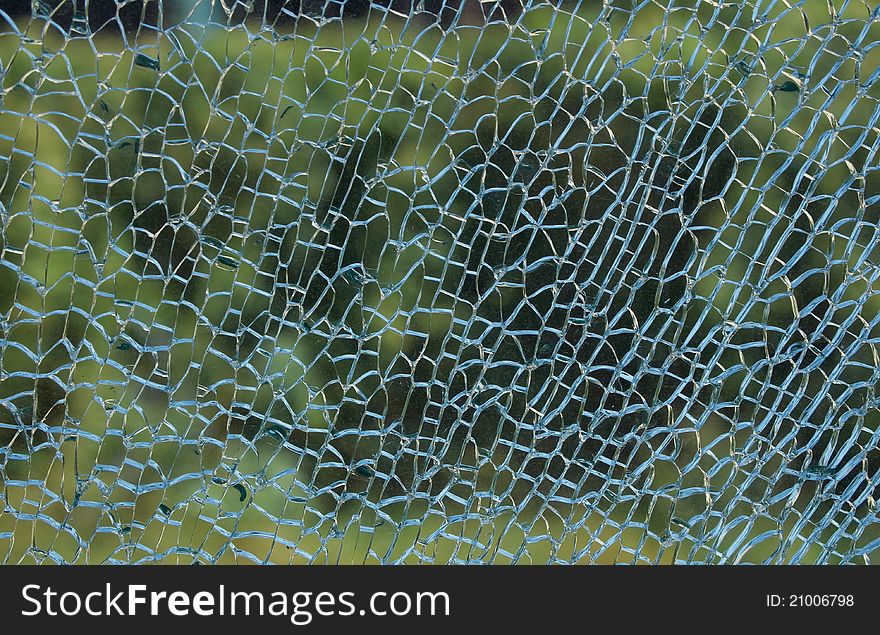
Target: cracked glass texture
{"type": "Point", "coordinates": [439, 282]}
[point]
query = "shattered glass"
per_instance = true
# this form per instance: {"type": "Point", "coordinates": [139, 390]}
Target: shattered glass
{"type": "Point", "coordinates": [493, 281]}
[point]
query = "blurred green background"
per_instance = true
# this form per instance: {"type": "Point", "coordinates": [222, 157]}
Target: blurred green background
{"type": "Point", "coordinates": [253, 279]}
